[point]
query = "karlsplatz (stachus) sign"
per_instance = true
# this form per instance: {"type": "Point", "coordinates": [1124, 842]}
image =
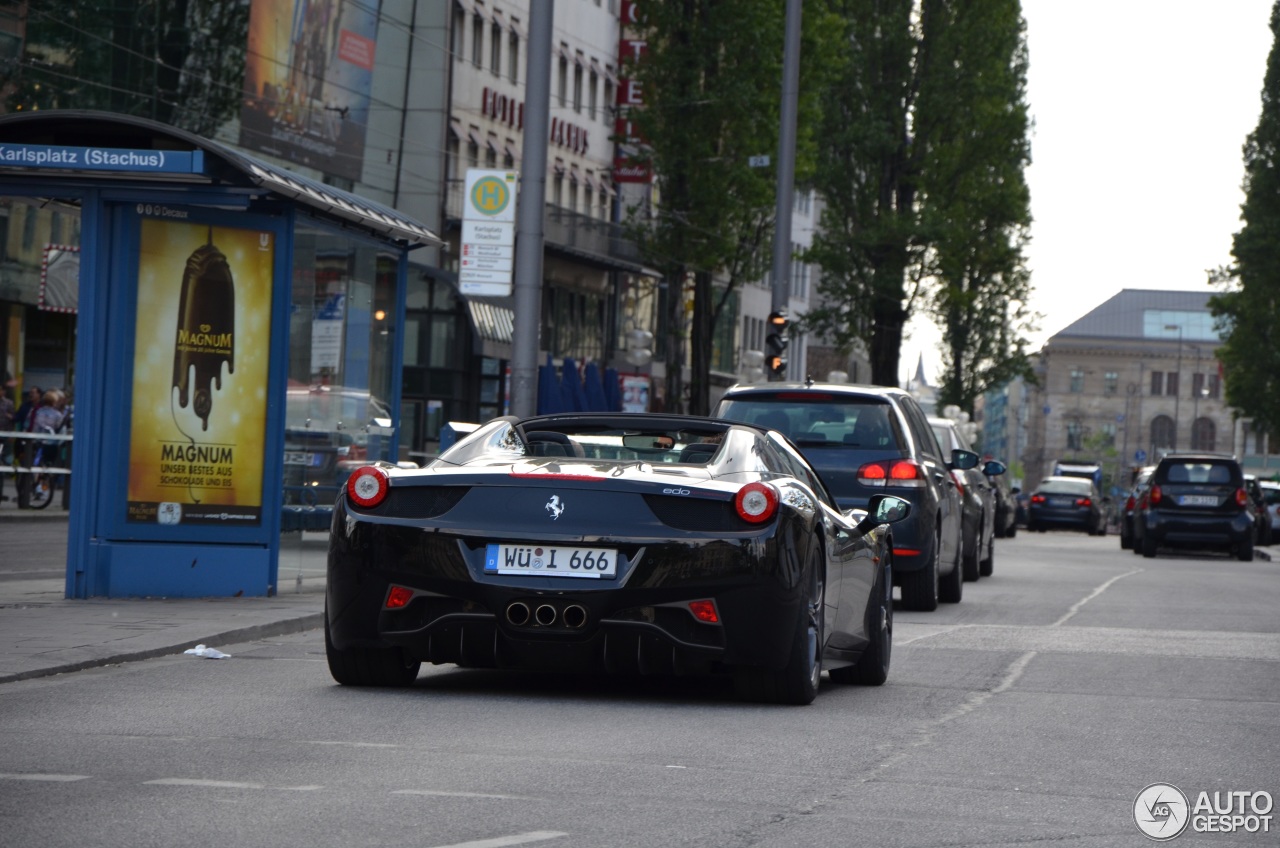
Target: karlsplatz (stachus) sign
{"type": "Point", "coordinates": [62, 157]}
{"type": "Point", "coordinates": [488, 233]}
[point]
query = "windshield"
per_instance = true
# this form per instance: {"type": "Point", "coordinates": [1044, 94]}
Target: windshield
{"type": "Point", "coordinates": [826, 420]}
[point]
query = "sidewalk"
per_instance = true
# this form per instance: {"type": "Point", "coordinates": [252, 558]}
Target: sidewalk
{"type": "Point", "coordinates": [42, 633]}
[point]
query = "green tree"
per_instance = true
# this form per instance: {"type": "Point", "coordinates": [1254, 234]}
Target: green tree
{"type": "Point", "coordinates": [1247, 307]}
{"type": "Point", "coordinates": [711, 77]}
{"type": "Point", "coordinates": [923, 143]}
{"type": "Point", "coordinates": [975, 207]}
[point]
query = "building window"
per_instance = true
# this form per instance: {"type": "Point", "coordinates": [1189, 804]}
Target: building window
{"type": "Point", "coordinates": [562, 88]}
{"type": "Point", "coordinates": [1215, 386]}
{"type": "Point", "coordinates": [608, 101]}
{"type": "Point", "coordinates": [1075, 436]}
{"type": "Point", "coordinates": [1203, 434]}
{"type": "Point", "coordinates": [1157, 383]}
{"type": "Point", "coordinates": [1077, 380]}
{"type": "Point", "coordinates": [473, 152]}
{"type": "Point", "coordinates": [592, 84]}
{"type": "Point", "coordinates": [557, 190]}
{"type": "Point", "coordinates": [477, 41]}
{"type": "Point", "coordinates": [508, 158]}
{"type": "Point", "coordinates": [604, 205]}
{"type": "Point", "coordinates": [459, 33]}
{"type": "Point", "coordinates": [1108, 432]}
{"type": "Point", "coordinates": [491, 154]}
{"type": "Point", "coordinates": [495, 49]}
{"type": "Point", "coordinates": [573, 195]}
{"type": "Point", "coordinates": [1171, 384]}
{"type": "Point", "coordinates": [1162, 433]}
{"type": "Point", "coordinates": [577, 86]}
{"type": "Point", "coordinates": [1110, 381]}
{"type": "Point", "coordinates": [513, 56]}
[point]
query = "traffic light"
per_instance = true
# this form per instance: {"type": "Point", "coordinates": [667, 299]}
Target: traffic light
{"type": "Point", "coordinates": [775, 359]}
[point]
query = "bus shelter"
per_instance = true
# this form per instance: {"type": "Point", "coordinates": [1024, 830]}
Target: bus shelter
{"type": "Point", "coordinates": [235, 346]}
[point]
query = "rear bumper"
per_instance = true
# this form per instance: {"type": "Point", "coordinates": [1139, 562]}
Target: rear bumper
{"type": "Point", "coordinates": [1197, 530]}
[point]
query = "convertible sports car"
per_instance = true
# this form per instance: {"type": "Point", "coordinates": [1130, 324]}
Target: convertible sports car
{"type": "Point", "coordinates": [611, 542]}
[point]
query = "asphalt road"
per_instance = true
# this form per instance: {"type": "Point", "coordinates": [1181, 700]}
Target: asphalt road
{"type": "Point", "coordinates": [1036, 710]}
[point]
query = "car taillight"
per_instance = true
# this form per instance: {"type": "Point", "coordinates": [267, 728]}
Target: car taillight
{"type": "Point", "coordinates": [1084, 502]}
{"type": "Point", "coordinates": [1156, 495]}
{"type": "Point", "coordinates": [368, 486]}
{"type": "Point", "coordinates": [1037, 499]}
{"type": "Point", "coordinates": [892, 472]}
{"type": "Point", "coordinates": [1128, 504]}
{"type": "Point", "coordinates": [756, 502]}
{"type": "Point", "coordinates": [1242, 498]}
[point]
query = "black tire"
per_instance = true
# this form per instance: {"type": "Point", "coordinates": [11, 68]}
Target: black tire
{"type": "Point", "coordinates": [872, 668]}
{"type": "Point", "coordinates": [951, 586]}
{"type": "Point", "coordinates": [41, 491]}
{"type": "Point", "coordinates": [920, 589]}
{"type": "Point", "coordinates": [368, 666]}
{"type": "Point", "coordinates": [969, 562]}
{"type": "Point", "coordinates": [1126, 541]}
{"type": "Point", "coordinates": [797, 682]}
{"type": "Point", "coordinates": [987, 566]}
{"type": "Point", "coordinates": [1012, 531]}
{"type": "Point", "coordinates": [1148, 547]}
{"type": "Point", "coordinates": [1245, 551]}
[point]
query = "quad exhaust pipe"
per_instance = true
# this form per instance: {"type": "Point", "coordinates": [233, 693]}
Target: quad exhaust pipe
{"type": "Point", "coordinates": [574, 616]}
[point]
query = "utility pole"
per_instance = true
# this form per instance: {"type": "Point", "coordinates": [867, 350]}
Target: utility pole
{"type": "Point", "coordinates": [533, 193]}
{"type": "Point", "coordinates": [786, 173]}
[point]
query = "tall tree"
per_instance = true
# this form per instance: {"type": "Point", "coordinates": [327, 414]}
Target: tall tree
{"type": "Point", "coordinates": [975, 207]}
{"type": "Point", "coordinates": [923, 142]}
{"type": "Point", "coordinates": [711, 76]}
{"type": "Point", "coordinates": [1247, 306]}
{"type": "Point", "coordinates": [868, 238]}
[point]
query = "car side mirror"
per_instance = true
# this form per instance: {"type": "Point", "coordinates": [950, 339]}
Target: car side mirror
{"type": "Point", "coordinates": [963, 460]}
{"type": "Point", "coordinates": [994, 468]}
{"type": "Point", "coordinates": [884, 509]}
{"type": "Point", "coordinates": [1016, 490]}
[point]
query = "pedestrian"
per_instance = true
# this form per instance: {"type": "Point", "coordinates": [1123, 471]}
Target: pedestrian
{"type": "Point", "coordinates": [22, 419]}
{"type": "Point", "coordinates": [7, 413]}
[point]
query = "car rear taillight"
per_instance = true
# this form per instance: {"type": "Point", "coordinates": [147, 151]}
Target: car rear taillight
{"type": "Point", "coordinates": [892, 472]}
{"type": "Point", "coordinates": [1084, 502]}
{"type": "Point", "coordinates": [1037, 499]}
{"type": "Point", "coordinates": [1156, 495]}
{"type": "Point", "coordinates": [756, 502]}
{"type": "Point", "coordinates": [1242, 498]}
{"type": "Point", "coordinates": [368, 486]}
{"type": "Point", "coordinates": [398, 597]}
{"type": "Point", "coordinates": [1128, 504]}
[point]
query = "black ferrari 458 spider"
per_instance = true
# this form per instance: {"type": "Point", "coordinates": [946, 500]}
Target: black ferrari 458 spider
{"type": "Point", "coordinates": [611, 543]}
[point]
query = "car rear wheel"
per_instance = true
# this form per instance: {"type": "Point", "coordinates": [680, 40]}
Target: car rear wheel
{"type": "Point", "coordinates": [920, 588]}
{"type": "Point", "coordinates": [951, 586]}
{"type": "Point", "coordinates": [1148, 547]}
{"type": "Point", "coordinates": [988, 565]}
{"type": "Point", "coordinates": [872, 668]}
{"type": "Point", "coordinates": [368, 666]}
{"type": "Point", "coordinates": [797, 681]}
{"type": "Point", "coordinates": [1245, 551]}
{"type": "Point", "coordinates": [970, 561]}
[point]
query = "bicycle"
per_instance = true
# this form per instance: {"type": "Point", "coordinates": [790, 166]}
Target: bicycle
{"type": "Point", "coordinates": [41, 482]}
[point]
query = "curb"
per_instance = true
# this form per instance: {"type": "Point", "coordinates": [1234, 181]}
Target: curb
{"type": "Point", "coordinates": [243, 634]}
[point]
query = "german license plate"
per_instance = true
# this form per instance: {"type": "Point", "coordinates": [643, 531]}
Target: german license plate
{"type": "Point", "coordinates": [550, 561]}
{"type": "Point", "coordinates": [1061, 502]}
{"type": "Point", "coordinates": [1197, 500]}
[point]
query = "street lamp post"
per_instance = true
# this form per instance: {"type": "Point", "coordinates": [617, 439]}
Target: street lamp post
{"type": "Point", "coordinates": [1177, 382]}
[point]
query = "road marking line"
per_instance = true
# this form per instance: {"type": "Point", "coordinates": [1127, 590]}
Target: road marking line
{"type": "Point", "coordinates": [1075, 608]}
{"type": "Point", "coordinates": [444, 793]}
{"type": "Point", "coordinates": [514, 839]}
{"type": "Point", "coordinates": [52, 778]}
{"type": "Point", "coordinates": [211, 784]}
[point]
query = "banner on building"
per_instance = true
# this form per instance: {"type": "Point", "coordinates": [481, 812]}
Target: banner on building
{"type": "Point", "coordinates": [202, 348]}
{"type": "Point", "coordinates": [307, 82]}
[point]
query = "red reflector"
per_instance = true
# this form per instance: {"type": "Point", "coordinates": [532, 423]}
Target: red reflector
{"type": "Point", "coordinates": [399, 597]}
{"type": "Point", "coordinates": [906, 552]}
{"type": "Point", "coordinates": [705, 611]}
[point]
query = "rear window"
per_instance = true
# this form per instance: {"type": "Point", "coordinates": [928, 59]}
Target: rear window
{"type": "Point", "coordinates": [1271, 494]}
{"type": "Point", "coordinates": [1199, 471]}
{"type": "Point", "coordinates": [824, 420]}
{"type": "Point", "coordinates": [1066, 487]}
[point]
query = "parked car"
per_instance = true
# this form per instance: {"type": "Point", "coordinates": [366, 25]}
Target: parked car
{"type": "Point", "coordinates": [1066, 502]}
{"type": "Point", "coordinates": [1261, 515]}
{"type": "Point", "coordinates": [326, 437]}
{"type": "Point", "coordinates": [1006, 506]}
{"type": "Point", "coordinates": [1140, 481]}
{"type": "Point", "coordinates": [1022, 500]}
{"type": "Point", "coordinates": [1271, 495]}
{"type": "Point", "coordinates": [1196, 500]}
{"type": "Point", "coordinates": [979, 502]}
{"type": "Point", "coordinates": [869, 440]}
{"type": "Point", "coordinates": [612, 542]}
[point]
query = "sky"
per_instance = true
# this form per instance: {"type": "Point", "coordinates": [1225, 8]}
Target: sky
{"type": "Point", "coordinates": [1140, 110]}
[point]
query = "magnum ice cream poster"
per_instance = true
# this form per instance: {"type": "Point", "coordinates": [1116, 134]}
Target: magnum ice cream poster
{"type": "Point", "coordinates": [203, 340]}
